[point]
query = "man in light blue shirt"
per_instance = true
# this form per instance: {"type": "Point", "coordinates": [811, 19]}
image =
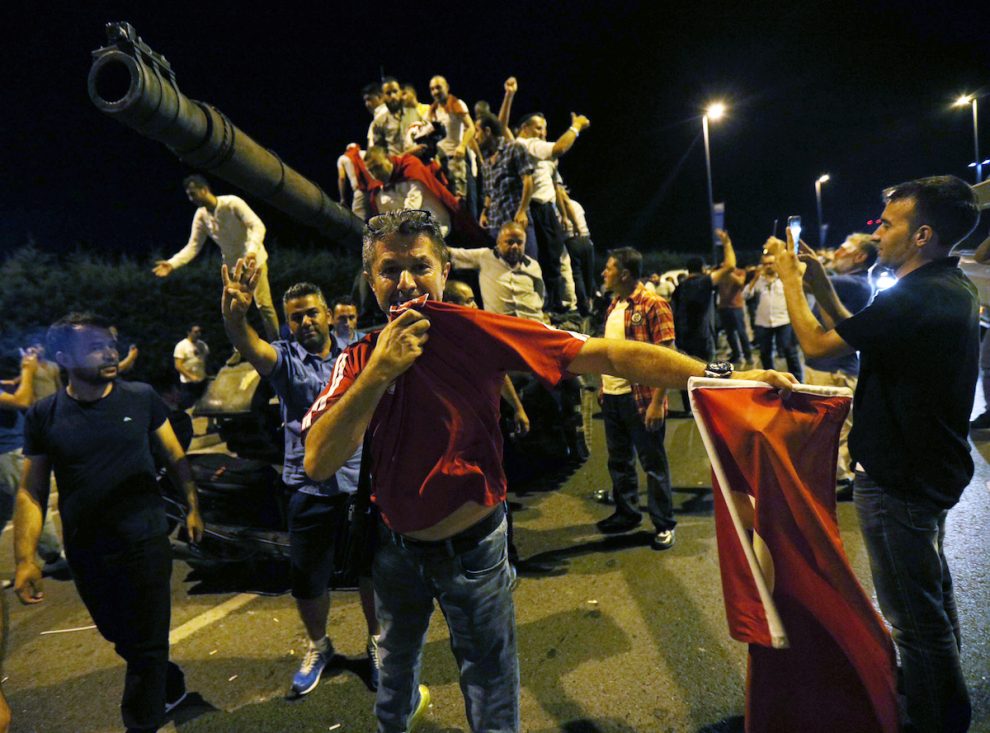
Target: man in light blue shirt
{"type": "Point", "coordinates": [298, 369]}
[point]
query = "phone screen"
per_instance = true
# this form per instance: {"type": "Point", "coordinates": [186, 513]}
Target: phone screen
{"type": "Point", "coordinates": [794, 224]}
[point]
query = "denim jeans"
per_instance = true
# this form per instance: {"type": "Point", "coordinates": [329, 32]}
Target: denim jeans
{"type": "Point", "coordinates": [734, 324]}
{"type": "Point", "coordinates": [783, 336]}
{"type": "Point", "coordinates": [627, 437]}
{"type": "Point", "coordinates": [473, 589]}
{"type": "Point", "coordinates": [904, 539]}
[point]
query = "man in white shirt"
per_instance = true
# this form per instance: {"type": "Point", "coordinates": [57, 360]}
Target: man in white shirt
{"type": "Point", "coordinates": [239, 233]}
{"type": "Point", "coordinates": [772, 322]}
{"type": "Point", "coordinates": [189, 357]}
{"type": "Point", "coordinates": [511, 283]}
{"type": "Point", "coordinates": [541, 196]}
{"type": "Point", "coordinates": [389, 128]}
{"type": "Point", "coordinates": [453, 114]}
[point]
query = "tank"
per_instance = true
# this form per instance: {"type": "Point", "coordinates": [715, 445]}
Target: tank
{"type": "Point", "coordinates": [136, 86]}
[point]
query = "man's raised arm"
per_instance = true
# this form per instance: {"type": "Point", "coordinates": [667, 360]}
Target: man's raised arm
{"type": "Point", "coordinates": [334, 435]}
{"type": "Point", "coordinates": [20, 399]}
{"type": "Point", "coordinates": [728, 267]}
{"type": "Point", "coordinates": [816, 342]}
{"type": "Point", "coordinates": [238, 292]}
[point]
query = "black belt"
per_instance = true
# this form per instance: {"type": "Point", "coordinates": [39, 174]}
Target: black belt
{"type": "Point", "coordinates": [458, 544]}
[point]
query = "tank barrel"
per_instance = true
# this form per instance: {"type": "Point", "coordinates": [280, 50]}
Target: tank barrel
{"type": "Point", "coordinates": [135, 85]}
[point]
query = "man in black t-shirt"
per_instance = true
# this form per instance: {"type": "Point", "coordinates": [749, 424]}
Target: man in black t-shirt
{"type": "Point", "coordinates": [96, 434]}
{"type": "Point", "coordinates": [918, 344]}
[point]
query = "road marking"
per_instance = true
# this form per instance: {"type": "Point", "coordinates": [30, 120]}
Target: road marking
{"type": "Point", "coordinates": [216, 613]}
{"type": "Point", "coordinates": [68, 631]}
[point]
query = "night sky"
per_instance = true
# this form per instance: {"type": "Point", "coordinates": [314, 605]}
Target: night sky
{"type": "Point", "coordinates": [859, 91]}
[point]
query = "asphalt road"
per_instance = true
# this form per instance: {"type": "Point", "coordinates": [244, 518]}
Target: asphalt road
{"type": "Point", "coordinates": [617, 638]}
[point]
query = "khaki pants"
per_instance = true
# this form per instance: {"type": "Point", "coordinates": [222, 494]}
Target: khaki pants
{"type": "Point", "coordinates": [844, 468]}
{"type": "Point", "coordinates": [263, 300]}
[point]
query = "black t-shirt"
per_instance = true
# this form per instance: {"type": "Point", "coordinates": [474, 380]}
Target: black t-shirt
{"type": "Point", "coordinates": [919, 348]}
{"type": "Point", "coordinates": [692, 305]}
{"type": "Point", "coordinates": [101, 454]}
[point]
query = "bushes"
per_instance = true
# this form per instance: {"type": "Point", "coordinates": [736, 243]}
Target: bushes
{"type": "Point", "coordinates": [38, 288]}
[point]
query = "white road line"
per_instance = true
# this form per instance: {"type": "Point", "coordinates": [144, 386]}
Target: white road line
{"type": "Point", "coordinates": [216, 613]}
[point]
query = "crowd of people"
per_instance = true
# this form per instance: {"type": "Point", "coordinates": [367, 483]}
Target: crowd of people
{"type": "Point", "coordinates": [407, 415]}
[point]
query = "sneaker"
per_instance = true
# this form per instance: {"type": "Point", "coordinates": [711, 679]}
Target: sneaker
{"type": "Point", "coordinates": [419, 712]}
{"type": "Point", "coordinates": [375, 662]}
{"type": "Point", "coordinates": [313, 664]}
{"type": "Point", "coordinates": [982, 422]}
{"type": "Point", "coordinates": [663, 540]}
{"type": "Point", "coordinates": [618, 522]}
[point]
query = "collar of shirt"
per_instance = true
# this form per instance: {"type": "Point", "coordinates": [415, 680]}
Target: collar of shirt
{"type": "Point", "coordinates": [303, 355]}
{"type": "Point", "coordinates": [635, 297]}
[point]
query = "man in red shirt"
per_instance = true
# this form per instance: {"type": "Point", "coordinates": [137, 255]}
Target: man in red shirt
{"type": "Point", "coordinates": [426, 387]}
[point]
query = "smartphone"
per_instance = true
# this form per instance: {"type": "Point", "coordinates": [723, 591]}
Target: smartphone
{"type": "Point", "coordinates": [794, 224]}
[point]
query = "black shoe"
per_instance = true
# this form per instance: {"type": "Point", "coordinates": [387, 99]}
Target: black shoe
{"type": "Point", "coordinates": [982, 422]}
{"type": "Point", "coordinates": [175, 687]}
{"type": "Point", "coordinates": [618, 523]}
{"type": "Point", "coordinates": [844, 489]}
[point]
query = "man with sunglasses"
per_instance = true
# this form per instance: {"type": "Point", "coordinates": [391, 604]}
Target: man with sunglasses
{"type": "Point", "coordinates": [426, 387]}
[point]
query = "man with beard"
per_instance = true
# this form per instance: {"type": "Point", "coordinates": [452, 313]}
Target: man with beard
{"type": "Point", "coordinates": [436, 465]}
{"type": "Point", "coordinates": [390, 126]}
{"type": "Point", "coordinates": [511, 283]}
{"type": "Point", "coordinates": [298, 369]}
{"type": "Point", "coordinates": [97, 435]}
{"type": "Point", "coordinates": [919, 345]}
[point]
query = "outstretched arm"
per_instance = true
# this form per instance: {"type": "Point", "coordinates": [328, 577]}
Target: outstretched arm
{"type": "Point", "coordinates": [20, 399]}
{"type": "Point", "coordinates": [238, 293]}
{"type": "Point", "coordinates": [511, 87]}
{"type": "Point", "coordinates": [566, 141]}
{"type": "Point", "coordinates": [729, 262]}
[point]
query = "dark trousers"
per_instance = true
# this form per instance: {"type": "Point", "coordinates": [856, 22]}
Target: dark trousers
{"type": "Point", "coordinates": [582, 253]}
{"type": "Point", "coordinates": [734, 325]}
{"type": "Point", "coordinates": [126, 589]}
{"type": "Point", "coordinates": [786, 345]}
{"type": "Point", "coordinates": [904, 540]}
{"type": "Point", "coordinates": [627, 437]}
{"type": "Point", "coordinates": [549, 248]}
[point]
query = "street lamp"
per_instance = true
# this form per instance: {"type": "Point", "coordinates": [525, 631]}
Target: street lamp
{"type": "Point", "coordinates": [823, 178]}
{"type": "Point", "coordinates": [715, 111]}
{"type": "Point", "coordinates": [970, 99]}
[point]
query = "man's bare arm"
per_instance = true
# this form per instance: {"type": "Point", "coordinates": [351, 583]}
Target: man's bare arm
{"type": "Point", "coordinates": [20, 399]}
{"type": "Point", "coordinates": [729, 262]}
{"type": "Point", "coordinates": [238, 293]}
{"type": "Point", "coordinates": [655, 366]}
{"type": "Point", "coordinates": [181, 477]}
{"type": "Point", "coordinates": [29, 512]}
{"type": "Point", "coordinates": [511, 87]}
{"type": "Point", "coordinates": [815, 340]}
{"type": "Point", "coordinates": [982, 252]}
{"type": "Point", "coordinates": [566, 141]}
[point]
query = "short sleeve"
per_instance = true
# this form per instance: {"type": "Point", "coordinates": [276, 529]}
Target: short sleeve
{"type": "Point", "coordinates": [518, 344]}
{"type": "Point", "coordinates": [34, 433]}
{"type": "Point", "coordinates": [521, 160]}
{"type": "Point", "coordinates": [661, 322]}
{"type": "Point", "coordinates": [345, 371]}
{"type": "Point", "coordinates": [539, 149]}
{"type": "Point", "coordinates": [158, 410]}
{"type": "Point", "coordinates": [280, 376]}
{"type": "Point", "coordinates": [460, 108]}
{"type": "Point", "coordinates": [179, 352]}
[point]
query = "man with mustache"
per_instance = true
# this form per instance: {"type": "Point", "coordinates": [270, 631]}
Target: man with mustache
{"type": "Point", "coordinates": [298, 369]}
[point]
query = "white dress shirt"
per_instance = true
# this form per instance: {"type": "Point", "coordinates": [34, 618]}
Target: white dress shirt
{"type": "Point", "coordinates": [512, 290]}
{"type": "Point", "coordinates": [772, 309]}
{"type": "Point", "coordinates": [546, 167]}
{"type": "Point", "coordinates": [233, 226]}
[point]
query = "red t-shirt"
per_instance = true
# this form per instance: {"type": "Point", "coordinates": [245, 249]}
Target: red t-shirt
{"type": "Point", "coordinates": [434, 435]}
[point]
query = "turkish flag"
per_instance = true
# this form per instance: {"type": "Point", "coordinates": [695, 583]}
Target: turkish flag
{"type": "Point", "coordinates": [820, 658]}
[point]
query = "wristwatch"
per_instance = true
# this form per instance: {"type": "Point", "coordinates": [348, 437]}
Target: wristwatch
{"type": "Point", "coordinates": [719, 369]}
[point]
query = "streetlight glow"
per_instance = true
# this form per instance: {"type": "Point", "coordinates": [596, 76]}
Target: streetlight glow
{"type": "Point", "coordinates": [823, 178]}
{"type": "Point", "coordinates": [963, 100]}
{"type": "Point", "coordinates": [715, 111]}
{"type": "Point", "coordinates": [970, 100]}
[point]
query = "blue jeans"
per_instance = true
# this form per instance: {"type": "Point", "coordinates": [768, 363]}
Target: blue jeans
{"type": "Point", "coordinates": [904, 540]}
{"type": "Point", "coordinates": [473, 589]}
{"type": "Point", "coordinates": [627, 437]}
{"type": "Point", "coordinates": [786, 347]}
{"type": "Point", "coordinates": [734, 324]}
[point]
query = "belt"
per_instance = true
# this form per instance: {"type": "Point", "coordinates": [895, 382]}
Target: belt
{"type": "Point", "coordinates": [458, 544]}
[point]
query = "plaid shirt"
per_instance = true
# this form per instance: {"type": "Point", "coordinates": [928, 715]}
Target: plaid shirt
{"type": "Point", "coordinates": [504, 173]}
{"type": "Point", "coordinates": [649, 319]}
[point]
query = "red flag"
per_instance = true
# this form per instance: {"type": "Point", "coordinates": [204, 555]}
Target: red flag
{"type": "Point", "coordinates": [820, 658]}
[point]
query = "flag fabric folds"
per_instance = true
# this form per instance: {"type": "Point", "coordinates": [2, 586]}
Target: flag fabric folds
{"type": "Point", "coordinates": [820, 658]}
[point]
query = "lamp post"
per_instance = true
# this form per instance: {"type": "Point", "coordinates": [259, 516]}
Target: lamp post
{"type": "Point", "coordinates": [818, 199]}
{"type": "Point", "coordinates": [970, 99]}
{"type": "Point", "coordinates": [714, 112]}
